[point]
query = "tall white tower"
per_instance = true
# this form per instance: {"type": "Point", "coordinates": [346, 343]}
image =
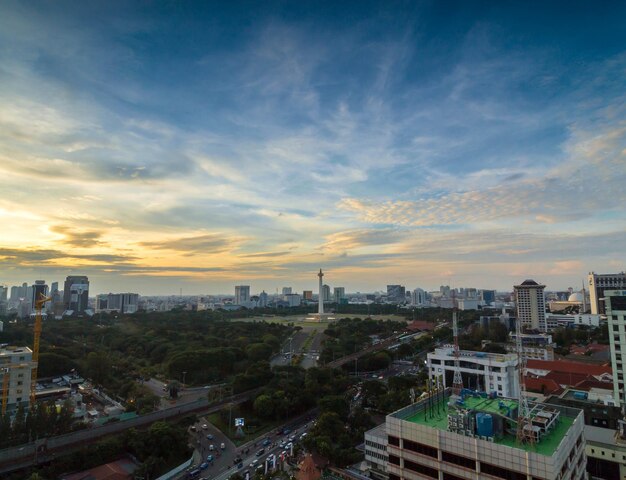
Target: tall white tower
{"type": "Point", "coordinates": [321, 294]}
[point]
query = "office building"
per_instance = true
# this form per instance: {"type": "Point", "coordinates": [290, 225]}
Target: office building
{"type": "Point", "coordinates": [263, 299]}
{"type": "Point", "coordinates": [286, 291]}
{"type": "Point", "coordinates": [326, 294]}
{"type": "Point", "coordinates": [37, 290]}
{"type": "Point", "coordinates": [307, 295]}
{"type": "Point", "coordinates": [615, 302]}
{"type": "Point", "coordinates": [293, 299]}
{"type": "Point", "coordinates": [242, 295]}
{"type": "Point", "coordinates": [376, 451]}
{"type": "Point", "coordinates": [488, 372]}
{"type": "Point", "coordinates": [118, 302]}
{"type": "Point", "coordinates": [396, 294]}
{"type": "Point", "coordinates": [76, 293]}
{"type": "Point", "coordinates": [17, 364]}
{"type": "Point", "coordinates": [339, 293]}
{"type": "Point", "coordinates": [531, 305]}
{"type": "Point", "coordinates": [473, 437]}
{"type": "Point", "coordinates": [598, 284]}
{"type": "Point", "coordinates": [4, 290]}
{"type": "Point", "coordinates": [488, 297]}
{"type": "Point", "coordinates": [560, 320]}
{"type": "Point", "coordinates": [418, 297]}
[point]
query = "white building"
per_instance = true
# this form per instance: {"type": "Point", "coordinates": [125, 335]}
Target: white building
{"type": "Point", "coordinates": [615, 302]}
{"type": "Point", "coordinates": [293, 299]}
{"type": "Point", "coordinates": [418, 297]}
{"type": "Point", "coordinates": [488, 372]}
{"type": "Point", "coordinates": [339, 293]}
{"type": "Point", "coordinates": [376, 451]}
{"type": "Point", "coordinates": [263, 299]}
{"type": "Point", "coordinates": [468, 303]}
{"type": "Point", "coordinates": [286, 291]}
{"type": "Point", "coordinates": [242, 294]}
{"type": "Point", "coordinates": [598, 284]}
{"type": "Point", "coordinates": [16, 362]}
{"type": "Point", "coordinates": [474, 438]}
{"type": "Point", "coordinates": [556, 320]}
{"type": "Point", "coordinates": [531, 305]}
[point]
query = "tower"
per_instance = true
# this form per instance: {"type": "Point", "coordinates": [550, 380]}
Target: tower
{"type": "Point", "coordinates": [531, 307]}
{"type": "Point", "coordinates": [321, 294]}
{"type": "Point", "coordinates": [524, 421]}
{"type": "Point", "coordinates": [457, 381]}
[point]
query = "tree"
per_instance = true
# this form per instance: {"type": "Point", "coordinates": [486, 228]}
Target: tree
{"type": "Point", "coordinates": [264, 406]}
{"type": "Point", "coordinates": [98, 367]}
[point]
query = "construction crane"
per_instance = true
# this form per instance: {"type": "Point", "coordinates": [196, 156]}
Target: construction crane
{"type": "Point", "coordinates": [39, 303]}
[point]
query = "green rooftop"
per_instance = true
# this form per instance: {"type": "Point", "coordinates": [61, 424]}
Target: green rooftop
{"type": "Point", "coordinates": [437, 417]}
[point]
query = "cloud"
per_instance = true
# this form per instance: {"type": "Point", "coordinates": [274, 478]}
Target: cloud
{"type": "Point", "coordinates": [209, 243]}
{"type": "Point", "coordinates": [74, 238]}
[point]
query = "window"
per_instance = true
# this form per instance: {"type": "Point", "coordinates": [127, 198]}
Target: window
{"type": "Point", "coordinates": [458, 460]}
{"type": "Point", "coordinates": [423, 469]}
{"type": "Point", "coordinates": [500, 472]}
{"type": "Point", "coordinates": [395, 441]}
{"type": "Point", "coordinates": [393, 477]}
{"type": "Point", "coordinates": [420, 448]}
{"type": "Point", "coordinates": [393, 459]}
{"type": "Point", "coordinates": [449, 476]}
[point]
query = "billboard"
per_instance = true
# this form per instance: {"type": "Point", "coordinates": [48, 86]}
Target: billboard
{"type": "Point", "coordinates": [239, 422]}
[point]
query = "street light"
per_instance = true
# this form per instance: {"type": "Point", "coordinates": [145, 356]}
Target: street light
{"type": "Point", "coordinates": [184, 373]}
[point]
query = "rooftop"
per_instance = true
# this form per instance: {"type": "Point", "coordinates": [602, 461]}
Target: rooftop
{"type": "Point", "coordinates": [437, 417]}
{"type": "Point", "coordinates": [567, 366]}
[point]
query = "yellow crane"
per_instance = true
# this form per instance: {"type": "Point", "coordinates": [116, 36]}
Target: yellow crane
{"type": "Point", "coordinates": [39, 303]}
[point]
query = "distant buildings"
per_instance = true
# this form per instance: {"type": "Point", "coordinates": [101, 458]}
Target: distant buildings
{"type": "Point", "coordinates": [419, 298]}
{"type": "Point", "coordinates": [76, 294]}
{"type": "Point", "coordinates": [598, 284]}
{"type": "Point", "coordinates": [616, 314]}
{"type": "Point", "coordinates": [531, 305]}
{"type": "Point", "coordinates": [286, 291]}
{"type": "Point", "coordinates": [263, 299]}
{"type": "Point", "coordinates": [118, 302]}
{"type": "Point", "coordinates": [339, 294]}
{"type": "Point", "coordinates": [242, 295]}
{"type": "Point", "coordinates": [396, 294]}
{"type": "Point", "coordinates": [326, 294]}
{"type": "Point", "coordinates": [307, 295]}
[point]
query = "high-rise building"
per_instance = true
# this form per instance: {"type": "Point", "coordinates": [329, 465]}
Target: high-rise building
{"type": "Point", "coordinates": [17, 364]}
{"type": "Point", "coordinates": [418, 297]}
{"type": "Point", "coordinates": [293, 299]}
{"type": "Point", "coordinates": [307, 294]}
{"type": "Point", "coordinates": [242, 294]}
{"type": "Point", "coordinates": [450, 438]}
{"type": "Point", "coordinates": [396, 294]}
{"type": "Point", "coordinates": [339, 293]}
{"type": "Point", "coordinates": [488, 296]}
{"type": "Point", "coordinates": [39, 288]}
{"type": "Point", "coordinates": [326, 293]}
{"type": "Point", "coordinates": [615, 302]}
{"type": "Point", "coordinates": [263, 299]}
{"type": "Point", "coordinates": [531, 305]}
{"type": "Point", "coordinates": [76, 293]}
{"type": "Point", "coordinates": [4, 290]}
{"type": "Point", "coordinates": [598, 283]}
{"type": "Point", "coordinates": [286, 291]}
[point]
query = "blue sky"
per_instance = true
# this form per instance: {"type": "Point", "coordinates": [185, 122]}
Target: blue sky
{"type": "Point", "coordinates": [198, 145]}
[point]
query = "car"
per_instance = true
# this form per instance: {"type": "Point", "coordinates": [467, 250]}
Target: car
{"type": "Point", "coordinates": [239, 465]}
{"type": "Point", "coordinates": [286, 431]}
{"type": "Point", "coordinates": [282, 444]}
{"type": "Point", "coordinates": [209, 437]}
{"type": "Point", "coordinates": [266, 442]}
{"type": "Point", "coordinates": [237, 460]}
{"type": "Point", "coordinates": [302, 436]}
{"type": "Point", "coordinates": [292, 438]}
{"type": "Point", "coordinates": [260, 452]}
{"type": "Point", "coordinates": [211, 447]}
{"type": "Point", "coordinates": [205, 426]}
{"type": "Point", "coordinates": [193, 428]}
{"type": "Point", "coordinates": [194, 473]}
{"type": "Point", "coordinates": [254, 463]}
{"type": "Point", "coordinates": [209, 458]}
{"type": "Point", "coordinates": [223, 446]}
{"type": "Point", "coordinates": [204, 466]}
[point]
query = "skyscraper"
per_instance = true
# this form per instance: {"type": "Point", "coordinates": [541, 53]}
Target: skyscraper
{"type": "Point", "coordinates": [418, 297]}
{"type": "Point", "coordinates": [76, 293]}
{"type": "Point", "coordinates": [616, 314]}
{"type": "Point", "coordinates": [263, 299]}
{"type": "Point", "coordinates": [326, 293]}
{"type": "Point", "coordinates": [598, 283]}
{"type": "Point", "coordinates": [531, 307]}
{"type": "Point", "coordinates": [286, 290]}
{"type": "Point", "coordinates": [307, 294]}
{"type": "Point", "coordinates": [39, 288]}
{"type": "Point", "coordinates": [339, 293]}
{"type": "Point", "coordinates": [242, 294]}
{"type": "Point", "coordinates": [396, 294]}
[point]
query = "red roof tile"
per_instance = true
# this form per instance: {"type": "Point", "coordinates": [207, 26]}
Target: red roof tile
{"type": "Point", "coordinates": [546, 386]}
{"type": "Point", "coordinates": [567, 366]}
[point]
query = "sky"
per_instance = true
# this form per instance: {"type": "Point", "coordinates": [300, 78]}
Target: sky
{"type": "Point", "coordinates": [159, 146]}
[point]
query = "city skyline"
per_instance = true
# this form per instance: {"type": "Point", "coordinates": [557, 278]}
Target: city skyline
{"type": "Point", "coordinates": [201, 146]}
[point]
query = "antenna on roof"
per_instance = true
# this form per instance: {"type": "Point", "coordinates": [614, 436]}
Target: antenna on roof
{"type": "Point", "coordinates": [524, 420]}
{"type": "Point", "coordinates": [457, 382]}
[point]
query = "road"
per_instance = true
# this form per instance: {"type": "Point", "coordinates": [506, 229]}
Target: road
{"type": "Point", "coordinates": [295, 346]}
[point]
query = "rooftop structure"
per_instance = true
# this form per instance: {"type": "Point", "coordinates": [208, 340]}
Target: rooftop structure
{"type": "Point", "coordinates": [530, 302]}
{"type": "Point", "coordinates": [599, 283]}
{"type": "Point", "coordinates": [615, 302]}
{"type": "Point", "coordinates": [491, 372]}
{"type": "Point", "coordinates": [15, 372]}
{"type": "Point", "coordinates": [475, 437]}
